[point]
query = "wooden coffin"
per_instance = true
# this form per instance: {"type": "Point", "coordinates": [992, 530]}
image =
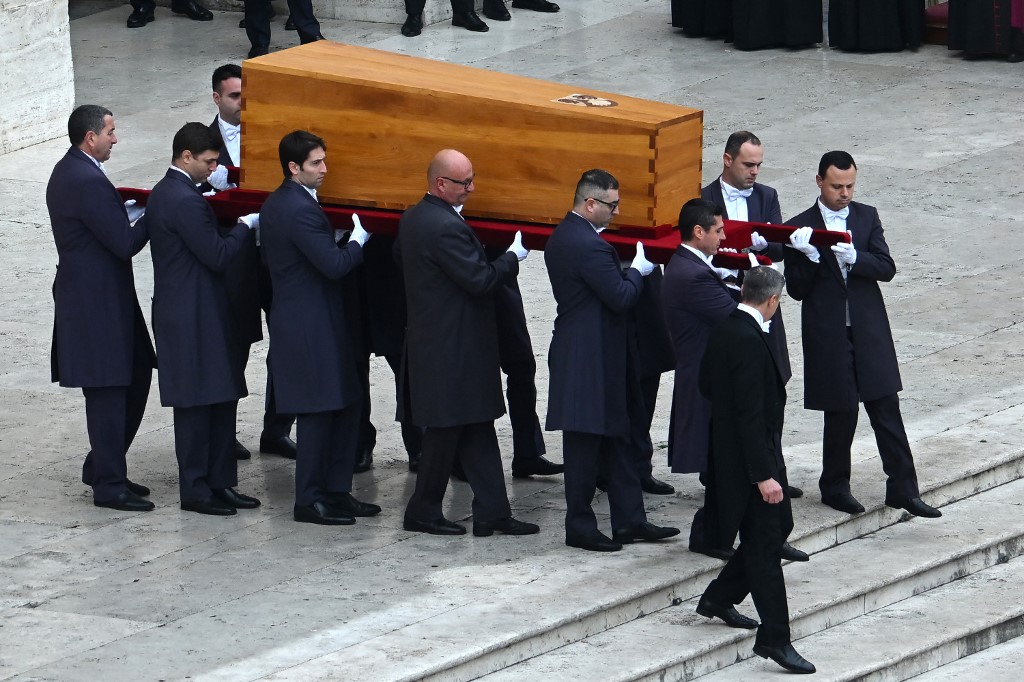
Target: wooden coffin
{"type": "Point", "coordinates": [385, 115]}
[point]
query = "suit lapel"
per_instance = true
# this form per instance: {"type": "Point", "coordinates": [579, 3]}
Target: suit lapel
{"type": "Point", "coordinates": [716, 197]}
{"type": "Point", "coordinates": [755, 205]}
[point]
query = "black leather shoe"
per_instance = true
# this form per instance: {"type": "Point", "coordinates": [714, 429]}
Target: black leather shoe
{"type": "Point", "coordinates": [414, 462]}
{"type": "Point", "coordinates": [344, 502]}
{"type": "Point", "coordinates": [916, 507]}
{"type": "Point", "coordinates": [364, 461]}
{"type": "Point", "coordinates": [413, 25]}
{"type": "Point", "coordinates": [536, 5]}
{"type": "Point", "coordinates": [713, 552]}
{"type": "Point", "coordinates": [645, 532]}
{"type": "Point", "coordinates": [241, 452]}
{"type": "Point", "coordinates": [282, 445]}
{"type": "Point", "coordinates": [139, 18]}
{"type": "Point", "coordinates": [241, 24]}
{"type": "Point", "coordinates": [305, 40]}
{"type": "Point", "coordinates": [844, 502]}
{"type": "Point", "coordinates": [795, 492]}
{"type": "Point", "coordinates": [322, 513]}
{"type": "Point", "coordinates": [508, 526]}
{"type": "Point", "coordinates": [192, 9]}
{"type": "Point", "coordinates": [136, 488]}
{"type": "Point", "coordinates": [233, 498]}
{"type": "Point", "coordinates": [653, 486]}
{"type": "Point", "coordinates": [211, 506]}
{"type": "Point", "coordinates": [469, 21]}
{"type": "Point", "coordinates": [729, 615]}
{"type": "Point", "coordinates": [535, 466]}
{"type": "Point", "coordinates": [791, 553]}
{"type": "Point", "coordinates": [127, 501]}
{"type": "Point", "coordinates": [594, 542]}
{"type": "Point", "coordinates": [441, 526]}
{"type": "Point", "coordinates": [1015, 57]}
{"type": "Point", "coordinates": [289, 24]}
{"type": "Point", "coordinates": [495, 9]}
{"type": "Point", "coordinates": [259, 52]}
{"type": "Point", "coordinates": [787, 657]}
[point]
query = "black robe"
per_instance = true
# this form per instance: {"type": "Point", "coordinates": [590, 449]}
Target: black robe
{"type": "Point", "coordinates": [983, 27]}
{"type": "Point", "coordinates": [751, 24]}
{"type": "Point", "coordinates": [875, 25]}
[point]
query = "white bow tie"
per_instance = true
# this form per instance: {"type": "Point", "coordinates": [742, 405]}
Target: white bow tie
{"type": "Point", "coordinates": [766, 326]}
{"type": "Point", "coordinates": [231, 133]}
{"type": "Point", "coordinates": [732, 194]}
{"type": "Point", "coordinates": [830, 216]}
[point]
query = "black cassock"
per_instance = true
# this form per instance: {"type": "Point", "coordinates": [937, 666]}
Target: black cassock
{"type": "Point", "coordinates": [751, 24]}
{"type": "Point", "coordinates": [983, 27]}
{"type": "Point", "coordinates": [875, 25]}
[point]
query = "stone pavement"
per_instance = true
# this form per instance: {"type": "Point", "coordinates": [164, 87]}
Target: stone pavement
{"type": "Point", "coordinates": [91, 594]}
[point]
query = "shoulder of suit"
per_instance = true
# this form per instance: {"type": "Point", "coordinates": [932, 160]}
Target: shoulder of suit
{"type": "Point", "coordinates": [764, 189]}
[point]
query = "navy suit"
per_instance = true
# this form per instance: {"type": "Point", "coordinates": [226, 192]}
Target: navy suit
{"type": "Point", "coordinates": [100, 340]}
{"type": "Point", "coordinates": [316, 374]}
{"type": "Point", "coordinates": [594, 389]}
{"type": "Point", "coordinates": [195, 335]}
{"type": "Point", "coordinates": [844, 365]}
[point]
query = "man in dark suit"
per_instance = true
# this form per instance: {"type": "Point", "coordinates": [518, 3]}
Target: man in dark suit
{"type": "Point", "coordinates": [849, 356]}
{"type": "Point", "coordinates": [747, 473]}
{"type": "Point", "coordinates": [143, 11]}
{"type": "Point", "coordinates": [257, 24]}
{"type": "Point", "coordinates": [192, 324]}
{"type": "Point", "coordinates": [464, 13]}
{"type": "Point", "coordinates": [100, 340]}
{"type": "Point", "coordinates": [315, 371]}
{"type": "Point", "coordinates": [594, 391]}
{"type": "Point", "coordinates": [450, 383]}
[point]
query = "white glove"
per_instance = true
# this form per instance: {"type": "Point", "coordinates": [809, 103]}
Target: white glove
{"type": "Point", "coordinates": [517, 247]}
{"type": "Point", "coordinates": [757, 242]}
{"type": "Point", "coordinates": [640, 263]}
{"type": "Point", "coordinates": [845, 253]}
{"type": "Point", "coordinates": [753, 260]}
{"type": "Point", "coordinates": [801, 241]}
{"type": "Point", "coordinates": [134, 212]}
{"type": "Point", "coordinates": [219, 179]}
{"type": "Point", "coordinates": [251, 220]}
{"type": "Point", "coordinates": [359, 235]}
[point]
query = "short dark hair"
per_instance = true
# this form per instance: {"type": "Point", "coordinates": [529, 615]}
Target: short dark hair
{"type": "Point", "coordinates": [196, 138]}
{"type": "Point", "coordinates": [760, 284]}
{"type": "Point", "coordinates": [841, 160]}
{"type": "Point", "coordinates": [697, 212]}
{"type": "Point", "coordinates": [593, 181]}
{"type": "Point", "coordinates": [222, 73]}
{"type": "Point", "coordinates": [738, 139]}
{"type": "Point", "coordinates": [84, 119]}
{"type": "Point", "coordinates": [296, 146]}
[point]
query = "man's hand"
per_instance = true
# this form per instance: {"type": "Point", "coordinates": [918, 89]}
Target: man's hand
{"type": "Point", "coordinates": [518, 248]}
{"type": "Point", "coordinates": [801, 241]}
{"type": "Point", "coordinates": [757, 242]}
{"type": "Point", "coordinates": [134, 212]}
{"type": "Point", "coordinates": [845, 253]}
{"type": "Point", "coordinates": [771, 491]}
{"type": "Point", "coordinates": [640, 263]}
{"type": "Point", "coordinates": [359, 235]}
{"type": "Point", "coordinates": [219, 179]}
{"type": "Point", "coordinates": [251, 220]}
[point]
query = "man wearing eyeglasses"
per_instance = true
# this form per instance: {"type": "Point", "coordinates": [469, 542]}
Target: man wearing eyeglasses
{"type": "Point", "coordinates": [451, 383]}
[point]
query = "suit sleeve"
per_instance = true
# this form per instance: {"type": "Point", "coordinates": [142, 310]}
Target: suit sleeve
{"type": "Point", "coordinates": [314, 238]}
{"type": "Point", "coordinates": [459, 256]}
{"type": "Point", "coordinates": [617, 290]}
{"type": "Point", "coordinates": [107, 219]}
{"type": "Point", "coordinates": [198, 228]}
{"type": "Point", "coordinates": [875, 263]}
{"type": "Point", "coordinates": [704, 298]}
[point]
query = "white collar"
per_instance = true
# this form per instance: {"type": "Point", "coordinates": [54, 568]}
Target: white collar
{"type": "Point", "coordinates": [756, 314]}
{"type": "Point", "coordinates": [597, 229]}
{"type": "Point", "coordinates": [700, 254]}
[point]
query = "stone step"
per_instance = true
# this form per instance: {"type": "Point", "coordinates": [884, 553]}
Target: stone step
{"type": "Point", "coordinates": [999, 663]}
{"type": "Point", "coordinates": [837, 586]}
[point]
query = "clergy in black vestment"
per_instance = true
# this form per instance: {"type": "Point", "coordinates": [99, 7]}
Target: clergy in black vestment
{"type": "Point", "coordinates": [875, 25]}
{"type": "Point", "coordinates": [987, 27]}
{"type": "Point", "coordinates": [751, 24]}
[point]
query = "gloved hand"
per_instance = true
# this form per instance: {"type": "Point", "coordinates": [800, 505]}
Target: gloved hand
{"type": "Point", "coordinates": [252, 220]}
{"type": "Point", "coordinates": [753, 261]}
{"type": "Point", "coordinates": [134, 212]}
{"type": "Point", "coordinates": [757, 242]}
{"type": "Point", "coordinates": [801, 241]}
{"type": "Point", "coordinates": [845, 253]}
{"type": "Point", "coordinates": [640, 263]}
{"type": "Point", "coordinates": [219, 179]}
{"type": "Point", "coordinates": [724, 273]}
{"type": "Point", "coordinates": [518, 248]}
{"type": "Point", "coordinates": [359, 235]}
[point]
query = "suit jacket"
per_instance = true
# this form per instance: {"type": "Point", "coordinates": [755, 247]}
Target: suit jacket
{"type": "Point", "coordinates": [695, 300]}
{"type": "Point", "coordinates": [98, 325]}
{"type": "Point", "coordinates": [738, 375]}
{"type": "Point", "coordinates": [451, 369]}
{"type": "Point", "coordinates": [315, 369]}
{"type": "Point", "coordinates": [591, 371]}
{"type": "Point", "coordinates": [825, 296]}
{"type": "Point", "coordinates": [191, 313]}
{"type": "Point", "coordinates": [225, 158]}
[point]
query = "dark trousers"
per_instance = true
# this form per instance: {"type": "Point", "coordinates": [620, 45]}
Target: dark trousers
{"type": "Point", "coordinates": [257, 21]}
{"type": "Point", "coordinates": [275, 425]}
{"type": "Point", "coordinates": [587, 456]}
{"type": "Point", "coordinates": [640, 435]}
{"type": "Point", "coordinates": [475, 446]}
{"type": "Point", "coordinates": [415, 7]}
{"type": "Point", "coordinates": [515, 355]}
{"type": "Point", "coordinates": [143, 5]}
{"type": "Point", "coordinates": [112, 417]}
{"type": "Point", "coordinates": [756, 567]}
{"type": "Point", "coordinates": [412, 435]}
{"type": "Point", "coordinates": [203, 443]}
{"type": "Point", "coordinates": [325, 453]}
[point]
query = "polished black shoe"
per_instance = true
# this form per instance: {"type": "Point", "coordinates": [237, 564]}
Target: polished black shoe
{"type": "Point", "coordinates": [536, 5]}
{"type": "Point", "coordinates": [305, 40]}
{"type": "Point", "coordinates": [1015, 57]}
{"type": "Point", "coordinates": [322, 513]}
{"type": "Point", "coordinates": [495, 9]}
{"type": "Point", "coordinates": [653, 486]}
{"type": "Point", "coordinates": [289, 24]}
{"type": "Point", "coordinates": [283, 445]}
{"type": "Point", "coordinates": [791, 553]}
{"type": "Point", "coordinates": [916, 507]}
{"type": "Point", "coordinates": [594, 542]}
{"type": "Point", "coordinates": [787, 657]}
{"type": "Point", "coordinates": [844, 502]}
{"type": "Point", "coordinates": [241, 452]}
{"type": "Point", "coordinates": [441, 526]}
{"type": "Point", "coordinates": [508, 526]}
{"type": "Point", "coordinates": [136, 488]}
{"type": "Point", "coordinates": [713, 552]}
{"type": "Point", "coordinates": [241, 24]}
{"type": "Point", "coordinates": [139, 18]}
{"type": "Point", "coordinates": [645, 532]}
{"type": "Point", "coordinates": [413, 25]}
{"type": "Point", "coordinates": [344, 502]}
{"type": "Point", "coordinates": [211, 506]}
{"type": "Point", "coordinates": [469, 21]}
{"type": "Point", "coordinates": [232, 497]}
{"type": "Point", "coordinates": [364, 461]}
{"type": "Point", "coordinates": [192, 9]}
{"type": "Point", "coordinates": [259, 52]}
{"type": "Point", "coordinates": [795, 492]}
{"type": "Point", "coordinates": [535, 466]}
{"type": "Point", "coordinates": [126, 501]}
{"type": "Point", "coordinates": [728, 614]}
